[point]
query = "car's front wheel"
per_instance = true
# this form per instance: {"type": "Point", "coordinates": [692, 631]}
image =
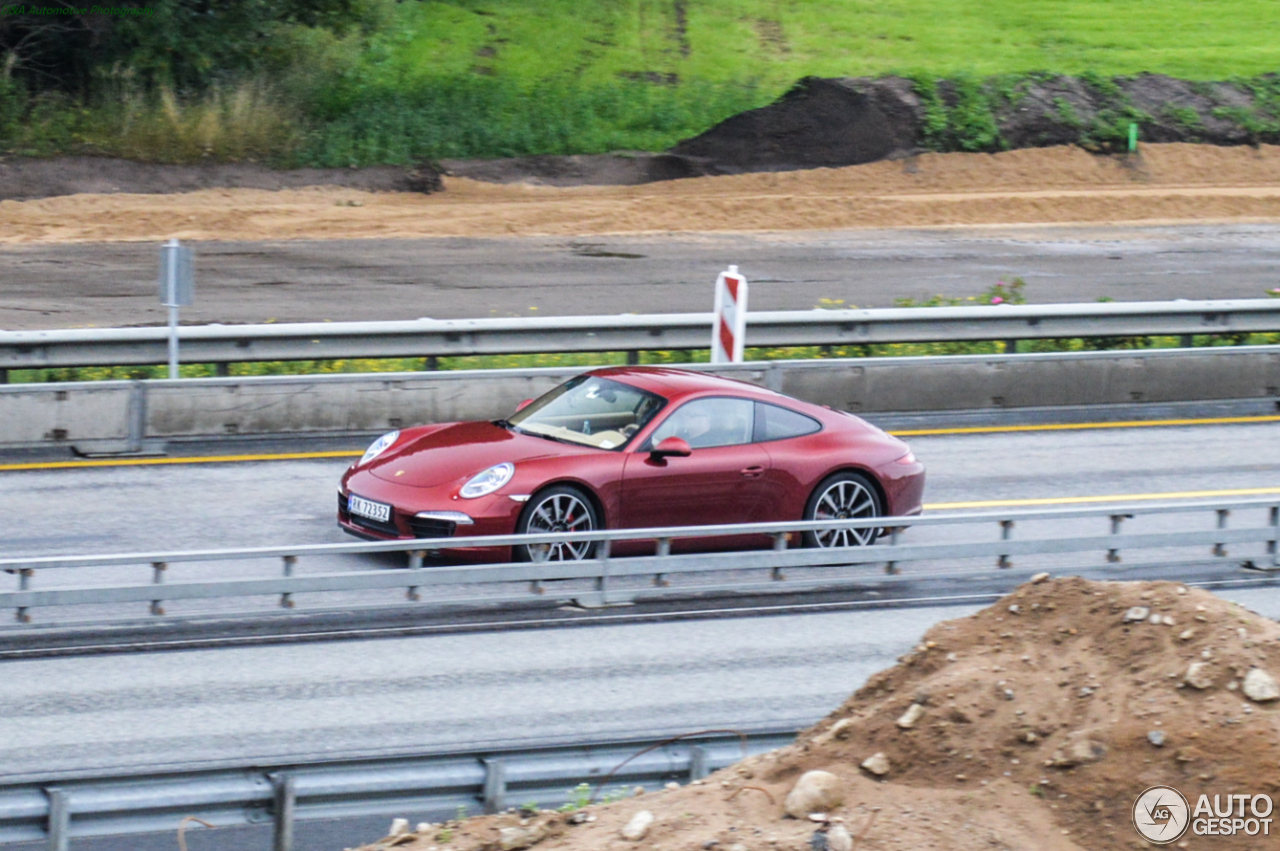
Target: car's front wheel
{"type": "Point", "coordinates": [843, 496]}
{"type": "Point", "coordinates": [557, 509]}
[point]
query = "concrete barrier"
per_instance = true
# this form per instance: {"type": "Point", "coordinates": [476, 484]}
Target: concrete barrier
{"type": "Point", "coordinates": [126, 416]}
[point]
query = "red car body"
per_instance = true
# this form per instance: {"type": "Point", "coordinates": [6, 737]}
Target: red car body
{"type": "Point", "coordinates": [425, 469]}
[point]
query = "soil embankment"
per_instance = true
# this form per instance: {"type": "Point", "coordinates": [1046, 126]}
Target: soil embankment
{"type": "Point", "coordinates": [1033, 724]}
{"type": "Point", "coordinates": [1166, 183]}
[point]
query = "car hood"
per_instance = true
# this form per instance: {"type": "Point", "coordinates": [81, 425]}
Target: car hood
{"type": "Point", "coordinates": [459, 451]}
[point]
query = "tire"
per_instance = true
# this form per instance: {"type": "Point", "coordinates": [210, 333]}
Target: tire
{"type": "Point", "coordinates": [843, 496]}
{"type": "Point", "coordinates": [561, 508]}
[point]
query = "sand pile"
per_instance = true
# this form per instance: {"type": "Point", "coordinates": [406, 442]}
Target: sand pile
{"type": "Point", "coordinates": [1033, 724]}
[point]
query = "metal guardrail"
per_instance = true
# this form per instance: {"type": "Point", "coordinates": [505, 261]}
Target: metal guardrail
{"type": "Point", "coordinates": [222, 344]}
{"type": "Point", "coordinates": [612, 580]}
{"type": "Point", "coordinates": [419, 787]}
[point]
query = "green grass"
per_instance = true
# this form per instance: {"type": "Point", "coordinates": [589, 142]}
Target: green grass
{"type": "Point", "coordinates": [777, 42]}
{"type": "Point", "coordinates": [486, 78]}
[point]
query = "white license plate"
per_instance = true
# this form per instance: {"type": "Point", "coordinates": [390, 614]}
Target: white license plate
{"type": "Point", "coordinates": [368, 508]}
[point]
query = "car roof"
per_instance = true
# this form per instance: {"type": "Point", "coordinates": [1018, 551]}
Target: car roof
{"type": "Point", "coordinates": [675, 384]}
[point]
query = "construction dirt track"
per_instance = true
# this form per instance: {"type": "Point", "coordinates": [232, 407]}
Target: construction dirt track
{"type": "Point", "coordinates": [1166, 183]}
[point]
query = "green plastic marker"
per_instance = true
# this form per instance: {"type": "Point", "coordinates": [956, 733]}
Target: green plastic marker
{"type": "Point", "coordinates": [1133, 137]}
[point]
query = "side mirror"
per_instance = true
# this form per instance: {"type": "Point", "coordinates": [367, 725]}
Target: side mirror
{"type": "Point", "coordinates": [671, 446]}
{"type": "Point", "coordinates": [526, 403]}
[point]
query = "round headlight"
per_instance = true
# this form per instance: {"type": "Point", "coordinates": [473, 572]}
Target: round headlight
{"type": "Point", "coordinates": [379, 446]}
{"type": "Point", "coordinates": [485, 483]}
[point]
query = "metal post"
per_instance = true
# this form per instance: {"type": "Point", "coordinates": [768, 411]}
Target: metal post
{"type": "Point", "coordinates": [602, 582]}
{"type": "Point", "coordinates": [1223, 514]}
{"type": "Point", "coordinates": [157, 578]}
{"type": "Point", "coordinates": [1273, 545]}
{"type": "Point", "coordinates": [173, 341]}
{"type": "Point", "coordinates": [664, 550]}
{"type": "Point", "coordinates": [286, 797]}
{"type": "Point", "coordinates": [891, 567]}
{"type": "Point", "coordinates": [697, 763]}
{"type": "Point", "coordinates": [222, 370]}
{"type": "Point", "coordinates": [1010, 347]}
{"type": "Point", "coordinates": [1113, 555]}
{"type": "Point", "coordinates": [633, 358]}
{"type": "Point", "coordinates": [1006, 532]}
{"type": "Point", "coordinates": [495, 786]}
{"type": "Point", "coordinates": [415, 563]}
{"type": "Point", "coordinates": [24, 584]}
{"type": "Point", "coordinates": [59, 823]}
{"type": "Point", "coordinates": [286, 599]}
{"type": "Point", "coordinates": [4, 376]}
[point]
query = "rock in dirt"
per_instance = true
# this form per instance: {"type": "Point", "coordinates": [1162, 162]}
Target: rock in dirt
{"type": "Point", "coordinates": [1157, 738]}
{"type": "Point", "coordinates": [1260, 687]}
{"type": "Point", "coordinates": [839, 838]}
{"type": "Point", "coordinates": [1200, 675]}
{"type": "Point", "coordinates": [1079, 749]}
{"type": "Point", "coordinates": [1136, 614]}
{"type": "Point", "coordinates": [814, 792]}
{"type": "Point", "coordinates": [877, 764]}
{"type": "Point", "coordinates": [399, 827]}
{"type": "Point", "coordinates": [638, 827]}
{"type": "Point", "coordinates": [909, 718]}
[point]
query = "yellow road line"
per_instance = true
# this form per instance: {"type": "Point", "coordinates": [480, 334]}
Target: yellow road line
{"type": "Point", "coordinates": [1083, 426]}
{"type": "Point", "coordinates": [1118, 497]}
{"type": "Point", "coordinates": [296, 456]}
{"type": "Point", "coordinates": [196, 459]}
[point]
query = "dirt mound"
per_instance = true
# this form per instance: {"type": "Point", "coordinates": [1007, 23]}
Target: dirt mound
{"type": "Point", "coordinates": [22, 179]}
{"type": "Point", "coordinates": [1033, 724]}
{"type": "Point", "coordinates": [818, 123]}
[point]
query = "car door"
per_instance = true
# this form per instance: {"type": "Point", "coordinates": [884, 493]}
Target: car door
{"type": "Point", "coordinates": [721, 480]}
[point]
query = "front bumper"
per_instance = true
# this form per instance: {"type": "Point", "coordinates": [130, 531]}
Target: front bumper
{"type": "Point", "coordinates": [495, 514]}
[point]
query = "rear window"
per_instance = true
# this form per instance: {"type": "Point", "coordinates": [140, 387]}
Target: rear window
{"type": "Point", "coordinates": [774, 422]}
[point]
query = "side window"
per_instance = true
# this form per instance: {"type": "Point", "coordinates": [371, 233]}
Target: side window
{"type": "Point", "coordinates": [705, 423]}
{"type": "Point", "coordinates": [776, 423]}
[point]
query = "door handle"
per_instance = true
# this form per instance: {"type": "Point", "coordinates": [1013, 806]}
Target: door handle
{"type": "Point", "coordinates": [753, 472]}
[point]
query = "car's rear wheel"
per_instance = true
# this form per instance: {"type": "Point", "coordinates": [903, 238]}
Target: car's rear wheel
{"type": "Point", "coordinates": [843, 496]}
{"type": "Point", "coordinates": [557, 509]}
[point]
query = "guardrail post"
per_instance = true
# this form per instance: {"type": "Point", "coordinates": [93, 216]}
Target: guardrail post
{"type": "Point", "coordinates": [157, 578]}
{"type": "Point", "coordinates": [59, 823]}
{"type": "Point", "coordinates": [24, 584]}
{"type": "Point", "coordinates": [1113, 555]}
{"type": "Point", "coordinates": [1223, 514]}
{"type": "Point", "coordinates": [1006, 532]}
{"type": "Point", "coordinates": [415, 563]}
{"type": "Point", "coordinates": [664, 550]}
{"type": "Point", "coordinates": [286, 797]}
{"type": "Point", "coordinates": [1273, 546]}
{"type": "Point", "coordinates": [697, 763]}
{"type": "Point", "coordinates": [633, 358]}
{"type": "Point", "coordinates": [602, 581]}
{"type": "Point", "coordinates": [286, 599]}
{"type": "Point", "coordinates": [495, 786]}
{"type": "Point", "coordinates": [891, 567]}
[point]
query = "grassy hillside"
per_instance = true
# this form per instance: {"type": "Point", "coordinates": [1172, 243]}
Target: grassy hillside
{"type": "Point", "coordinates": [507, 77]}
{"type": "Point", "coordinates": [776, 42]}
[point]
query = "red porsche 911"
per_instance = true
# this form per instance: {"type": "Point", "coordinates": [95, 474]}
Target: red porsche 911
{"type": "Point", "coordinates": [632, 447]}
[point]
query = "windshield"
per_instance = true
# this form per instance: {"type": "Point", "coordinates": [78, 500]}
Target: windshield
{"type": "Point", "coordinates": [590, 410]}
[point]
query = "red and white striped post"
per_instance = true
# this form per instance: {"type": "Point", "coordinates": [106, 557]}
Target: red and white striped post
{"type": "Point", "coordinates": [729, 326]}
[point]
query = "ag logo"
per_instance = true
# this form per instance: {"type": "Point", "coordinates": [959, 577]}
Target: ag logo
{"type": "Point", "coordinates": [1161, 815]}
